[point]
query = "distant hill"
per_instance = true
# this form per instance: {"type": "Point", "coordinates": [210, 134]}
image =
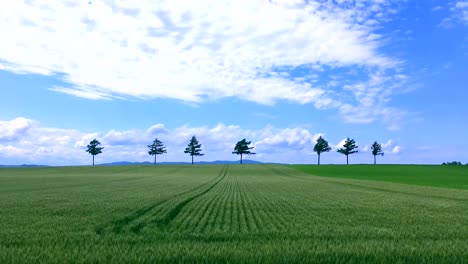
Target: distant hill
{"type": "Point", "coordinates": [230, 162]}
{"type": "Point", "coordinates": [124, 163]}
{"type": "Point", "coordinates": [22, 166]}
{"type": "Point", "coordinates": [128, 163]}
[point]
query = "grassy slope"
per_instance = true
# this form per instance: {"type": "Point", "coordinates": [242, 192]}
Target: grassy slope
{"type": "Point", "coordinates": [215, 213]}
{"type": "Point", "coordinates": [424, 175]}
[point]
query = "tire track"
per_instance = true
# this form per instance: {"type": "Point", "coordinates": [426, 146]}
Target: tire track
{"type": "Point", "coordinates": [217, 209]}
{"type": "Point", "coordinates": [211, 215]}
{"type": "Point", "coordinates": [171, 208]}
{"type": "Point", "coordinates": [116, 226]}
{"type": "Point", "coordinates": [174, 212]}
{"type": "Point", "coordinates": [254, 207]}
{"type": "Point", "coordinates": [243, 202]}
{"type": "Point", "coordinates": [202, 218]}
{"type": "Point", "coordinates": [223, 221]}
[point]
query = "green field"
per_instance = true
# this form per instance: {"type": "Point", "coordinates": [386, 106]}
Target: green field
{"type": "Point", "coordinates": [248, 213]}
{"type": "Point", "coordinates": [425, 175]}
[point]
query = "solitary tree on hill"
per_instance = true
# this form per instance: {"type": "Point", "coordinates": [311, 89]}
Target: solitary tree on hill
{"type": "Point", "coordinates": [376, 150]}
{"type": "Point", "coordinates": [193, 148]}
{"type": "Point", "coordinates": [349, 147]}
{"type": "Point", "coordinates": [94, 149]}
{"type": "Point", "coordinates": [157, 148]}
{"type": "Point", "coordinates": [242, 148]}
{"type": "Point", "coordinates": [321, 147]}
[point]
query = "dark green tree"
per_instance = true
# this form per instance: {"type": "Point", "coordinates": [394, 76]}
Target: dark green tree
{"type": "Point", "coordinates": [453, 163]}
{"type": "Point", "coordinates": [349, 147]}
{"type": "Point", "coordinates": [320, 147]}
{"type": "Point", "coordinates": [242, 148]}
{"type": "Point", "coordinates": [157, 148]}
{"type": "Point", "coordinates": [376, 150]}
{"type": "Point", "coordinates": [94, 149]}
{"type": "Point", "coordinates": [193, 148]}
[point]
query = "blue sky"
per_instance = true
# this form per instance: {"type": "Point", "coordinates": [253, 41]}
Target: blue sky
{"type": "Point", "coordinates": [279, 73]}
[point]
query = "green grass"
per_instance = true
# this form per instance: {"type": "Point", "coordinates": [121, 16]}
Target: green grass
{"type": "Point", "coordinates": [236, 214]}
{"type": "Point", "coordinates": [425, 175]}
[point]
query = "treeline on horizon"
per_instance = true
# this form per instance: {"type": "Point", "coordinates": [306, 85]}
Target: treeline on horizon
{"type": "Point", "coordinates": [243, 148]}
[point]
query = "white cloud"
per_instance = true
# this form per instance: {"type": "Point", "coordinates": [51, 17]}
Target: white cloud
{"type": "Point", "coordinates": [157, 129]}
{"type": "Point", "coordinates": [84, 139]}
{"type": "Point", "coordinates": [461, 8]}
{"type": "Point", "coordinates": [387, 144]}
{"type": "Point", "coordinates": [372, 97]}
{"type": "Point", "coordinates": [297, 138]}
{"type": "Point", "coordinates": [56, 146]}
{"type": "Point", "coordinates": [339, 145]}
{"type": "Point", "coordinates": [391, 147]}
{"type": "Point", "coordinates": [83, 92]}
{"type": "Point", "coordinates": [8, 151]}
{"type": "Point", "coordinates": [13, 129]}
{"type": "Point", "coordinates": [192, 50]}
{"type": "Point", "coordinates": [459, 14]}
{"type": "Point", "coordinates": [129, 137]}
{"type": "Point", "coordinates": [396, 150]}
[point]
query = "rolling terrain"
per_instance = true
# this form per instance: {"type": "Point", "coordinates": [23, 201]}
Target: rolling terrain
{"type": "Point", "coordinates": [231, 213]}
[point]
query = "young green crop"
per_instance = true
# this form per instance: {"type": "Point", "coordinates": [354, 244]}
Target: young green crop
{"type": "Point", "coordinates": [236, 214]}
{"type": "Point", "coordinates": [425, 175]}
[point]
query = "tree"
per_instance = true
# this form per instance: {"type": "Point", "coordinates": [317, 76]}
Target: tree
{"type": "Point", "coordinates": [157, 148]}
{"type": "Point", "coordinates": [94, 149]}
{"type": "Point", "coordinates": [376, 150]}
{"type": "Point", "coordinates": [321, 147]}
{"type": "Point", "coordinates": [242, 147]}
{"type": "Point", "coordinates": [456, 163]}
{"type": "Point", "coordinates": [193, 148]}
{"type": "Point", "coordinates": [349, 147]}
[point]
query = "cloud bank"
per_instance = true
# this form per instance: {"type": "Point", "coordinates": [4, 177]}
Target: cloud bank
{"type": "Point", "coordinates": [26, 141]}
{"type": "Point", "coordinates": [306, 52]}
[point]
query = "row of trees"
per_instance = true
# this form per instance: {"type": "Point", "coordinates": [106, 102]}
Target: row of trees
{"type": "Point", "coordinates": [455, 163]}
{"type": "Point", "coordinates": [193, 148]}
{"type": "Point", "coordinates": [243, 148]}
{"type": "Point", "coordinates": [349, 148]}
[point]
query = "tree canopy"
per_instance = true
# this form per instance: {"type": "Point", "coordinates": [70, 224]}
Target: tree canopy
{"type": "Point", "coordinates": [193, 148]}
{"type": "Point", "coordinates": [94, 149]}
{"type": "Point", "coordinates": [349, 147]}
{"type": "Point", "coordinates": [242, 148]}
{"type": "Point", "coordinates": [456, 163]}
{"type": "Point", "coordinates": [376, 150]}
{"type": "Point", "coordinates": [156, 148]}
{"type": "Point", "coordinates": [320, 147]}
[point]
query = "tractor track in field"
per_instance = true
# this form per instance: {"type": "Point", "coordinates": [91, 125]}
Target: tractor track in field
{"type": "Point", "coordinates": [174, 212]}
{"type": "Point", "coordinates": [118, 225]}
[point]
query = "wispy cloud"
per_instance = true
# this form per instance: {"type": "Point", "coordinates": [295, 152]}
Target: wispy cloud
{"type": "Point", "coordinates": [191, 50]}
{"type": "Point", "coordinates": [459, 14]}
{"type": "Point", "coordinates": [461, 8]}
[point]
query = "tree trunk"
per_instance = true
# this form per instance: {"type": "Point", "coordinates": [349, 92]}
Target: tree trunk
{"type": "Point", "coordinates": [192, 159]}
{"type": "Point", "coordinates": [241, 158]}
{"type": "Point", "coordinates": [318, 161]}
{"type": "Point", "coordinates": [155, 159]}
{"type": "Point", "coordinates": [347, 163]}
{"type": "Point", "coordinates": [374, 160]}
{"type": "Point", "coordinates": [93, 160]}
